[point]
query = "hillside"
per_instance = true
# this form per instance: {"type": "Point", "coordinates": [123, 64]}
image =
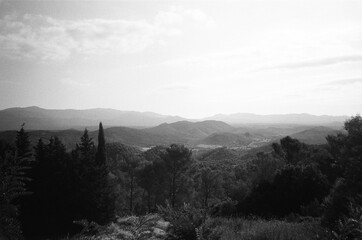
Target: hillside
{"type": "Point", "coordinates": [205, 134]}
{"type": "Point", "coordinates": [164, 134]}
{"type": "Point", "coordinates": [227, 139]}
{"type": "Point", "coordinates": [48, 119]}
{"type": "Point", "coordinates": [190, 130]}
{"type": "Point", "coordinates": [315, 135]}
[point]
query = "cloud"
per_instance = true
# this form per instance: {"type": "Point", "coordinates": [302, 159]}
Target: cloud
{"type": "Point", "coordinates": [175, 87]}
{"type": "Point", "coordinates": [45, 38]}
{"type": "Point", "coordinates": [180, 15]}
{"type": "Point", "coordinates": [8, 82]}
{"type": "Point", "coordinates": [344, 82]}
{"type": "Point", "coordinates": [322, 62]}
{"type": "Point", "coordinates": [74, 83]}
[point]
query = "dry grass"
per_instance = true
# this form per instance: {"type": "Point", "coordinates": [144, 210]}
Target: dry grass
{"type": "Point", "coordinates": [236, 229]}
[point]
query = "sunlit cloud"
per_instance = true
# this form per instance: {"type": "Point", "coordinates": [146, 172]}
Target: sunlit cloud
{"type": "Point", "coordinates": [75, 83]}
{"type": "Point", "coordinates": [344, 82]}
{"type": "Point", "coordinates": [175, 87]}
{"type": "Point", "coordinates": [320, 62]}
{"type": "Point", "coordinates": [45, 38]}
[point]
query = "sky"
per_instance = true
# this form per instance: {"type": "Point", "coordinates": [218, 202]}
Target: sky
{"type": "Point", "coordinates": [188, 58]}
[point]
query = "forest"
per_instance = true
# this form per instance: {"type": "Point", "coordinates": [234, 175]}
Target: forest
{"type": "Point", "coordinates": [290, 190]}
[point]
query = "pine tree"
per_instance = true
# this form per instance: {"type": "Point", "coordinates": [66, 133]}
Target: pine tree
{"type": "Point", "coordinates": [95, 196]}
{"type": "Point", "coordinates": [86, 146]}
{"type": "Point", "coordinates": [22, 142]}
{"type": "Point", "coordinates": [13, 184]}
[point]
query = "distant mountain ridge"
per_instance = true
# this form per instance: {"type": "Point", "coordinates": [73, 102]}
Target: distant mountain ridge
{"type": "Point", "coordinates": [301, 119]}
{"type": "Point", "coordinates": [52, 119]}
{"type": "Point", "coordinates": [205, 134]}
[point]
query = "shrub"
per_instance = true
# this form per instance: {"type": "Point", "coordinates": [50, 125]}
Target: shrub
{"type": "Point", "coordinates": [184, 221]}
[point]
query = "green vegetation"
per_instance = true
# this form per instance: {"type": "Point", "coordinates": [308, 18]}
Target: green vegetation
{"type": "Point", "coordinates": [291, 190]}
{"type": "Point", "coordinates": [258, 229]}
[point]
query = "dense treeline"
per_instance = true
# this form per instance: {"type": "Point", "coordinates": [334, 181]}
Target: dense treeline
{"type": "Point", "coordinates": [63, 186]}
{"type": "Point", "coordinates": [98, 183]}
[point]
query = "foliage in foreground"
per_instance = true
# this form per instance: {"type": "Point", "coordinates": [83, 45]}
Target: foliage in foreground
{"type": "Point", "coordinates": [258, 229]}
{"type": "Point", "coordinates": [149, 226]}
{"type": "Point", "coordinates": [13, 179]}
{"type": "Point", "coordinates": [184, 221]}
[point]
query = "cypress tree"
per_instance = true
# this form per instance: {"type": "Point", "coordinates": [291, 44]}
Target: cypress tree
{"type": "Point", "coordinates": [96, 192]}
{"type": "Point", "coordinates": [103, 188]}
{"type": "Point", "coordinates": [101, 150]}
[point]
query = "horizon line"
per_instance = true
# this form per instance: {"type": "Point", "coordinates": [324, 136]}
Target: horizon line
{"type": "Point", "coordinates": [186, 118]}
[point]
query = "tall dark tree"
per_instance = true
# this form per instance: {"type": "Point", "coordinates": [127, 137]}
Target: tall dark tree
{"type": "Point", "coordinates": [103, 185]}
{"type": "Point", "coordinates": [101, 149]}
{"type": "Point", "coordinates": [95, 197]}
{"type": "Point", "coordinates": [22, 142]}
{"type": "Point", "coordinates": [51, 189]}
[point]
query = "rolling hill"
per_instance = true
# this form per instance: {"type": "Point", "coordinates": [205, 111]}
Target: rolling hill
{"type": "Point", "coordinates": [190, 130]}
{"type": "Point", "coordinates": [164, 134]}
{"type": "Point", "coordinates": [226, 139]}
{"type": "Point", "coordinates": [316, 135]}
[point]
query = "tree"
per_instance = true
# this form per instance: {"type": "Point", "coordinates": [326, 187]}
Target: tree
{"type": "Point", "coordinates": [290, 149]}
{"type": "Point", "coordinates": [177, 159]}
{"type": "Point", "coordinates": [208, 185]}
{"type": "Point", "coordinates": [130, 166]}
{"type": "Point", "coordinates": [22, 142]}
{"type": "Point", "coordinates": [52, 191]}
{"type": "Point", "coordinates": [103, 187]}
{"type": "Point", "coordinates": [292, 188]}
{"type": "Point", "coordinates": [86, 147]}
{"type": "Point", "coordinates": [346, 150]}
{"type": "Point", "coordinates": [12, 186]}
{"type": "Point", "coordinates": [147, 180]}
{"type": "Point", "coordinates": [101, 149]}
{"type": "Point", "coordinates": [14, 169]}
{"type": "Point", "coordinates": [95, 191]}
{"type": "Point", "coordinates": [153, 177]}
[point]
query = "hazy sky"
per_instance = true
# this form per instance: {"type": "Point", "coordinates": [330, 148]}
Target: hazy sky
{"type": "Point", "coordinates": [188, 58]}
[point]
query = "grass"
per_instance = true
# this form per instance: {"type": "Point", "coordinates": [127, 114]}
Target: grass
{"type": "Point", "coordinates": [258, 229]}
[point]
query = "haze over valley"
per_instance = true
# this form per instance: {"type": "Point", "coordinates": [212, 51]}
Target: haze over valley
{"type": "Point", "coordinates": [146, 129]}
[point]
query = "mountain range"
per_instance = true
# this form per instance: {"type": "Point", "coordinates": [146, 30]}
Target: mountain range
{"type": "Point", "coordinates": [205, 134]}
{"type": "Point", "coordinates": [52, 119]}
{"type": "Point", "coordinates": [37, 118]}
{"type": "Point", "coordinates": [298, 119]}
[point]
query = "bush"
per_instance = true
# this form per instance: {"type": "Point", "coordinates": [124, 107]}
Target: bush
{"type": "Point", "coordinates": [184, 221]}
{"type": "Point", "coordinates": [224, 209]}
{"type": "Point", "coordinates": [128, 228]}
